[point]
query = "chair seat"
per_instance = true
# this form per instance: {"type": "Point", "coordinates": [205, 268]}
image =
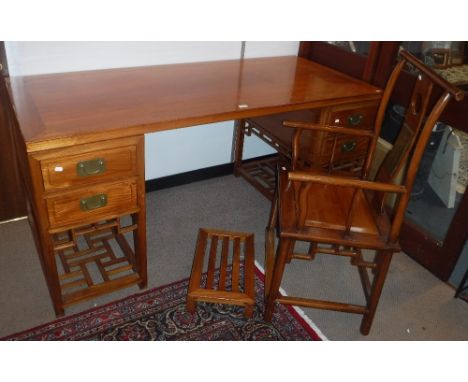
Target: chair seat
{"type": "Point", "coordinates": [328, 207]}
{"type": "Point", "coordinates": [325, 218]}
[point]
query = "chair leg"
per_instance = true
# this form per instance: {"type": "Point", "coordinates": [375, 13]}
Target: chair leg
{"type": "Point", "coordinates": [270, 235]}
{"type": "Point", "coordinates": [290, 255]}
{"type": "Point", "coordinates": [239, 127]}
{"type": "Point", "coordinates": [284, 247]}
{"type": "Point", "coordinates": [383, 259]}
{"type": "Point", "coordinates": [269, 258]}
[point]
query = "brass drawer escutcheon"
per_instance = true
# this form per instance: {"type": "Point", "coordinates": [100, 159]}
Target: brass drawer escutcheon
{"type": "Point", "coordinates": [91, 167]}
{"type": "Point", "coordinates": [355, 119]}
{"type": "Point", "coordinates": [93, 202]}
{"type": "Point", "coordinates": [349, 146]}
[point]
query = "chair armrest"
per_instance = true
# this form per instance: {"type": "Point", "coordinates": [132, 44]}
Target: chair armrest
{"type": "Point", "coordinates": [329, 128]}
{"type": "Point", "coordinates": [303, 176]}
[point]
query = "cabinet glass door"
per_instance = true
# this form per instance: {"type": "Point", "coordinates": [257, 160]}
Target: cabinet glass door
{"type": "Point", "coordinates": [358, 47]}
{"type": "Point", "coordinates": [436, 221]}
{"type": "Point", "coordinates": [356, 58]}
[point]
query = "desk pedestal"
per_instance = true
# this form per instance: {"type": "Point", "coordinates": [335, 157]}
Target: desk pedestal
{"type": "Point", "coordinates": [86, 207]}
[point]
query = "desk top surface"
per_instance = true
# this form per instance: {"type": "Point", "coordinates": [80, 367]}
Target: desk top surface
{"type": "Point", "coordinates": [58, 110]}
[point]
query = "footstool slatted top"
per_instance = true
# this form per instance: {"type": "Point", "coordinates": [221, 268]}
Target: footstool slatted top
{"type": "Point", "coordinates": [216, 242]}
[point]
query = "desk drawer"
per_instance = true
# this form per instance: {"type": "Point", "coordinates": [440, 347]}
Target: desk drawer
{"type": "Point", "coordinates": [88, 164]}
{"type": "Point", "coordinates": [349, 148]}
{"type": "Point", "coordinates": [360, 116]}
{"type": "Point", "coordinates": [93, 203]}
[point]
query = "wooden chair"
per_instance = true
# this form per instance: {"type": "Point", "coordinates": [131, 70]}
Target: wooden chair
{"type": "Point", "coordinates": [341, 215]}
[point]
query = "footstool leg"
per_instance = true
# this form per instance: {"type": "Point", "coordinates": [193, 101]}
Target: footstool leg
{"type": "Point", "coordinates": [248, 311]}
{"type": "Point", "coordinates": [191, 305]}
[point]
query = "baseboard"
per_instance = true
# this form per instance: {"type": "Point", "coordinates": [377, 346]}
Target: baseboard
{"type": "Point", "coordinates": [195, 175]}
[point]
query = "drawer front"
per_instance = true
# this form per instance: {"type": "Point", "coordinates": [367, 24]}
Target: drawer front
{"type": "Point", "coordinates": [349, 148]}
{"type": "Point", "coordinates": [360, 117]}
{"type": "Point", "coordinates": [89, 167]}
{"type": "Point", "coordinates": [93, 203]}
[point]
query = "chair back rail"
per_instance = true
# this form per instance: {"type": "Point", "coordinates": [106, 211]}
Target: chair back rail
{"type": "Point", "coordinates": [408, 148]}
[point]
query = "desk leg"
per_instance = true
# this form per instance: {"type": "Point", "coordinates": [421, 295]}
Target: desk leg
{"type": "Point", "coordinates": [38, 221]}
{"type": "Point", "coordinates": [239, 127]}
{"type": "Point", "coordinates": [45, 249]}
{"type": "Point", "coordinates": [139, 235]}
{"type": "Point", "coordinates": [139, 240]}
{"type": "Point", "coordinates": [50, 271]}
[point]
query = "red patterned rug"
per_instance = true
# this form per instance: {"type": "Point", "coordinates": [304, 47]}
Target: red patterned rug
{"type": "Point", "coordinates": [159, 314]}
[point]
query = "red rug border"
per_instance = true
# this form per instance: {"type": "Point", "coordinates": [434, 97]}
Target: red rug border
{"type": "Point", "coordinates": [90, 310]}
{"type": "Point", "coordinates": [258, 272]}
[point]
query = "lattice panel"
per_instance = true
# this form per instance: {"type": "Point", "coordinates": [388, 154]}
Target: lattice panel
{"type": "Point", "coordinates": [262, 175]}
{"type": "Point", "coordinates": [91, 256]}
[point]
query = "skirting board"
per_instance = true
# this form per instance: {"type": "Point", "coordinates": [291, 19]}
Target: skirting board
{"type": "Point", "coordinates": [194, 176]}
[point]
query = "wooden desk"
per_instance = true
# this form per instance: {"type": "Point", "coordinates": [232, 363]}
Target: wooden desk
{"type": "Point", "coordinates": [80, 144]}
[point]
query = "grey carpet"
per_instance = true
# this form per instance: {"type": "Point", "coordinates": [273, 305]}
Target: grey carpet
{"type": "Point", "coordinates": [414, 305]}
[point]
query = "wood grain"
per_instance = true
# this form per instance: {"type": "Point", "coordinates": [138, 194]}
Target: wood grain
{"type": "Point", "coordinates": [119, 156]}
{"type": "Point", "coordinates": [65, 209]}
{"type": "Point", "coordinates": [65, 109]}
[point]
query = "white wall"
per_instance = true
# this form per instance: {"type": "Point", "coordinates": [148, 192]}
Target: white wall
{"type": "Point", "coordinates": [168, 152]}
{"type": "Point", "coordinates": [271, 48]}
{"type": "Point", "coordinates": [26, 58]}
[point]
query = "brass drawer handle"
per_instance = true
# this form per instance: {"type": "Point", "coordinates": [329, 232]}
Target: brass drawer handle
{"type": "Point", "coordinates": [349, 146]}
{"type": "Point", "coordinates": [91, 167]}
{"type": "Point", "coordinates": [93, 202]}
{"type": "Point", "coordinates": [355, 119]}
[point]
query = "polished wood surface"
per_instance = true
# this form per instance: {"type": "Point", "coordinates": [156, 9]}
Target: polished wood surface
{"type": "Point", "coordinates": [65, 209]}
{"type": "Point", "coordinates": [59, 167]}
{"type": "Point", "coordinates": [343, 216]}
{"type": "Point", "coordinates": [65, 109]}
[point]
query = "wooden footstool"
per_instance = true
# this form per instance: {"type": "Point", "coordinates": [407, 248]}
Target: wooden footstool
{"type": "Point", "coordinates": [222, 293]}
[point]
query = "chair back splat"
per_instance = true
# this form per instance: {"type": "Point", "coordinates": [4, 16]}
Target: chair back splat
{"type": "Point", "coordinates": [341, 215]}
